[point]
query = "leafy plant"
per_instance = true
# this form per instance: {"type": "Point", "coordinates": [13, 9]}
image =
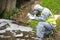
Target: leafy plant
{"type": "Point", "coordinates": [7, 15]}
{"type": "Point", "coordinates": [14, 11]}
{"type": "Point", "coordinates": [32, 23]}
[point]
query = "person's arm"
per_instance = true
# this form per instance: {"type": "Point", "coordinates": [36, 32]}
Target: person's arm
{"type": "Point", "coordinates": [36, 13]}
{"type": "Point", "coordinates": [41, 18]}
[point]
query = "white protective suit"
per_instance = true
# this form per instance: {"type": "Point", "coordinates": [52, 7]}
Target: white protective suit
{"type": "Point", "coordinates": [42, 27]}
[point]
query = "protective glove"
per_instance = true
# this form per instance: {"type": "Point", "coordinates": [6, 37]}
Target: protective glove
{"type": "Point", "coordinates": [30, 16]}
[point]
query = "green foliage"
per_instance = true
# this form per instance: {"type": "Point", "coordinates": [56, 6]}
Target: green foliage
{"type": "Point", "coordinates": [32, 23]}
{"type": "Point", "coordinates": [53, 5]}
{"type": "Point", "coordinates": [7, 15]}
{"type": "Point", "coordinates": [14, 11]}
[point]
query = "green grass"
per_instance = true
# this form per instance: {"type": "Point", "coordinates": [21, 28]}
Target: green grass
{"type": "Point", "coordinates": [53, 5]}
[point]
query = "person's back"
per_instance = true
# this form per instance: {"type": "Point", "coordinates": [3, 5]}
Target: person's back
{"type": "Point", "coordinates": [46, 12]}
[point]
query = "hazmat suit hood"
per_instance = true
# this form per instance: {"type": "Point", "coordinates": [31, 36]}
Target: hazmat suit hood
{"type": "Point", "coordinates": [38, 7]}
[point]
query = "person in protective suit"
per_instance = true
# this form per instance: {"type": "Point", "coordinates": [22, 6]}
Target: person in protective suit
{"type": "Point", "coordinates": [46, 21]}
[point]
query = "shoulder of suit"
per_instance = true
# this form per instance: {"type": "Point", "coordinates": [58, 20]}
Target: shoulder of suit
{"type": "Point", "coordinates": [46, 9]}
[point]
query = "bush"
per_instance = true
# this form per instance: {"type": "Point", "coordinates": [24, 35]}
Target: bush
{"type": "Point", "coordinates": [53, 5]}
{"type": "Point", "coordinates": [14, 11]}
{"type": "Point", "coordinates": [7, 15]}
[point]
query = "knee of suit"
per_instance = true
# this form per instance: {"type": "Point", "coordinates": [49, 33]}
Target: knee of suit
{"type": "Point", "coordinates": [40, 34]}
